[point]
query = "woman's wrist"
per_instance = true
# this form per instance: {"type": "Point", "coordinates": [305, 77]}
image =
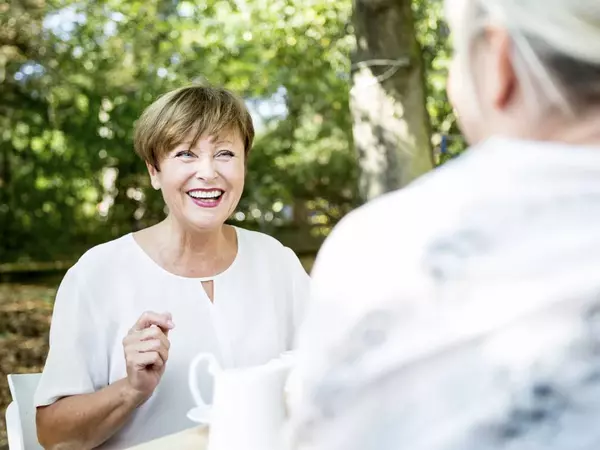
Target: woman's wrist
{"type": "Point", "coordinates": [131, 396]}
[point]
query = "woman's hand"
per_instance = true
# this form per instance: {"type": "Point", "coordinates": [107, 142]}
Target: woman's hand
{"type": "Point", "coordinates": [146, 348]}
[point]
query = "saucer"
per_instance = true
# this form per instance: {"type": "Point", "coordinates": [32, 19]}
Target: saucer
{"type": "Point", "coordinates": [199, 415]}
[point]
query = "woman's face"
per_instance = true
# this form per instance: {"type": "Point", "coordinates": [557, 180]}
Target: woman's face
{"type": "Point", "coordinates": [202, 185]}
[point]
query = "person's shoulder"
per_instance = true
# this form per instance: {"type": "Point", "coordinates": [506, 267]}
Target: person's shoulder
{"type": "Point", "coordinates": [103, 257]}
{"type": "Point", "coordinates": [260, 249]}
{"type": "Point", "coordinates": [92, 270]}
{"type": "Point", "coordinates": [412, 211]}
{"type": "Point", "coordinates": [260, 241]}
{"type": "Point", "coordinates": [107, 251]}
{"type": "Point", "coordinates": [388, 234]}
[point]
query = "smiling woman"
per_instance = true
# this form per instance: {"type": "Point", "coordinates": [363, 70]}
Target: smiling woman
{"type": "Point", "coordinates": [198, 160]}
{"type": "Point", "coordinates": [132, 313]}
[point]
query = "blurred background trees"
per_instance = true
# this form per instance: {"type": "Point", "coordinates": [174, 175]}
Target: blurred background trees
{"type": "Point", "coordinates": [76, 75]}
{"type": "Point", "coordinates": [392, 130]}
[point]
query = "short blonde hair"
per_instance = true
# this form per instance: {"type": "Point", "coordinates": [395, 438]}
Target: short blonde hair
{"type": "Point", "coordinates": [201, 110]}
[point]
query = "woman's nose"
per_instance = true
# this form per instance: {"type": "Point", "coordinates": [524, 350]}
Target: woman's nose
{"type": "Point", "coordinates": [205, 169]}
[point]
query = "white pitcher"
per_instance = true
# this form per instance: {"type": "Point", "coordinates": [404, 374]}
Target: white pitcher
{"type": "Point", "coordinates": [248, 410]}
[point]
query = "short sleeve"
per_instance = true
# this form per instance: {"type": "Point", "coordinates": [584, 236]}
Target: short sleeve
{"type": "Point", "coordinates": [76, 362]}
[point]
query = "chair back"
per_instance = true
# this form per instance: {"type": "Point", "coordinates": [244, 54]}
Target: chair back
{"type": "Point", "coordinates": [22, 388]}
{"type": "Point", "coordinates": [13, 428]}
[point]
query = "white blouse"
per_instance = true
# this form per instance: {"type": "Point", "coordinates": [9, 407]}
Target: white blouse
{"type": "Point", "coordinates": [462, 312]}
{"type": "Point", "coordinates": [258, 304]}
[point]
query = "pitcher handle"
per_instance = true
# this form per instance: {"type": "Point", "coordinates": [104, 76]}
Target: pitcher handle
{"type": "Point", "coordinates": [213, 367]}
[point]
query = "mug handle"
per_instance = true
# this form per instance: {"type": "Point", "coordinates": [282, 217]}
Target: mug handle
{"type": "Point", "coordinates": [213, 367]}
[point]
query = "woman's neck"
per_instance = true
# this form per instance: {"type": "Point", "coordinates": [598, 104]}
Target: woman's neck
{"type": "Point", "coordinates": [188, 243]}
{"type": "Point", "coordinates": [191, 253]}
{"type": "Point", "coordinates": [582, 130]}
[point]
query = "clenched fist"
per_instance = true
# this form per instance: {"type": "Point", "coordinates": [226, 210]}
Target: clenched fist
{"type": "Point", "coordinates": [146, 348]}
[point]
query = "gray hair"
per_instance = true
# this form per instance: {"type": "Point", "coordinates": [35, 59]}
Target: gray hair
{"type": "Point", "coordinates": [556, 45]}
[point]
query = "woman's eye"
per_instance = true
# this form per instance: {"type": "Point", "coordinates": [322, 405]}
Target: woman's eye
{"type": "Point", "coordinates": [225, 154]}
{"type": "Point", "coordinates": [184, 154]}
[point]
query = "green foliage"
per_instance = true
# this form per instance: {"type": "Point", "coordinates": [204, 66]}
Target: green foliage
{"type": "Point", "coordinates": [432, 33]}
{"type": "Point", "coordinates": [76, 75]}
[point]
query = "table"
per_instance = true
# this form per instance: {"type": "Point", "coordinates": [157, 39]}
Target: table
{"type": "Point", "coordinates": [192, 439]}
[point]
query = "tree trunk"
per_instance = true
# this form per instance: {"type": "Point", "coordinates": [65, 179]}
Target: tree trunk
{"type": "Point", "coordinates": [390, 122]}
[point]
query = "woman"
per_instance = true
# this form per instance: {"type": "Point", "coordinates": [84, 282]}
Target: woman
{"type": "Point", "coordinates": [132, 313]}
{"type": "Point", "coordinates": [471, 321]}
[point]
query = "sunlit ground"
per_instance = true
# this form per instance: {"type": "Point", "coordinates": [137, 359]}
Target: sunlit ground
{"type": "Point", "coordinates": [25, 312]}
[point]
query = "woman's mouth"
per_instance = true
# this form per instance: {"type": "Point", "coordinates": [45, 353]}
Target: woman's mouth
{"type": "Point", "coordinates": [206, 198]}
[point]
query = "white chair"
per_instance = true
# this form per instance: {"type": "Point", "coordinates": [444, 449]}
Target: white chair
{"type": "Point", "coordinates": [13, 428]}
{"type": "Point", "coordinates": [20, 414]}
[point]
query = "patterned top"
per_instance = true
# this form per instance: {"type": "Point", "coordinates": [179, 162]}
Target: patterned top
{"type": "Point", "coordinates": [461, 313]}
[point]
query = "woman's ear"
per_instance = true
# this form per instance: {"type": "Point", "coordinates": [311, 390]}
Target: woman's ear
{"type": "Point", "coordinates": [154, 179]}
{"type": "Point", "coordinates": [501, 47]}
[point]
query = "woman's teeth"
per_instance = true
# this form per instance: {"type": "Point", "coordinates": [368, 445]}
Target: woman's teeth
{"type": "Point", "coordinates": [205, 194]}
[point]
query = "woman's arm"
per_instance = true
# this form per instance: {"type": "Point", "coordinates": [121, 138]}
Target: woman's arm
{"type": "Point", "coordinates": [85, 421]}
{"type": "Point", "coordinates": [82, 422]}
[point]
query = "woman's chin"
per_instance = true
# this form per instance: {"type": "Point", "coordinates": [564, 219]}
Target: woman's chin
{"type": "Point", "coordinates": [205, 220]}
{"type": "Point", "coordinates": [196, 217]}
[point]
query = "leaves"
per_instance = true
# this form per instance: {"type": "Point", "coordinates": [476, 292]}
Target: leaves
{"type": "Point", "coordinates": [432, 33]}
{"type": "Point", "coordinates": [81, 73]}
